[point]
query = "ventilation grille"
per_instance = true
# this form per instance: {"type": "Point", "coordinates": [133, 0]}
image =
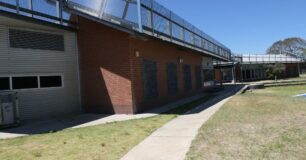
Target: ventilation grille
{"type": "Point", "coordinates": [35, 40]}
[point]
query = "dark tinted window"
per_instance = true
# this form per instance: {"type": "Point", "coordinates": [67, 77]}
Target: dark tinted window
{"type": "Point", "coordinates": [172, 78]}
{"type": "Point", "coordinates": [187, 78]}
{"type": "Point", "coordinates": [248, 74]}
{"type": "Point", "coordinates": [209, 75]}
{"type": "Point", "coordinates": [25, 82]}
{"type": "Point", "coordinates": [149, 78]}
{"type": "Point", "coordinates": [198, 76]}
{"type": "Point", "coordinates": [50, 81]}
{"type": "Point", "coordinates": [4, 83]}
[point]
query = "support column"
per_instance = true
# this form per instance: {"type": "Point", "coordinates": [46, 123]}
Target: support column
{"type": "Point", "coordinates": [233, 74]}
{"type": "Point", "coordinates": [139, 16]}
{"type": "Point", "coordinates": [30, 4]}
{"type": "Point", "coordinates": [299, 69]}
{"type": "Point", "coordinates": [242, 73]}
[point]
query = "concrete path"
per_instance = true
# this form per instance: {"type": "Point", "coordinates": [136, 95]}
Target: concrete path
{"type": "Point", "coordinates": [173, 140]}
{"type": "Point", "coordinates": [83, 120]}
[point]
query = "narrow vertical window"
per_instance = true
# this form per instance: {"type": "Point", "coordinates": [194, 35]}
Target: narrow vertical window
{"type": "Point", "coordinates": [187, 78]}
{"type": "Point", "coordinates": [149, 79]}
{"type": "Point", "coordinates": [198, 76]}
{"type": "Point", "coordinates": [172, 78]}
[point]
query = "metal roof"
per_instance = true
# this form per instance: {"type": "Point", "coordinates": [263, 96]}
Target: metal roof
{"type": "Point", "coordinates": [153, 19]}
{"type": "Point", "coordinates": [146, 17]}
{"type": "Point", "coordinates": [267, 58]}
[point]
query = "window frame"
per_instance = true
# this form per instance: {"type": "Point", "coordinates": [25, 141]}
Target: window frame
{"type": "Point", "coordinates": [36, 31]}
{"type": "Point", "coordinates": [38, 80]}
{"type": "Point", "coordinates": [24, 88]}
{"type": "Point", "coordinates": [10, 86]}
{"type": "Point", "coordinates": [163, 25]}
{"type": "Point", "coordinates": [50, 75]}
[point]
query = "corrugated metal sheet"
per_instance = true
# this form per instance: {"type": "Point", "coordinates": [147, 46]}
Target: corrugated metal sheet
{"type": "Point", "coordinates": [4, 53]}
{"type": "Point", "coordinates": [43, 103]}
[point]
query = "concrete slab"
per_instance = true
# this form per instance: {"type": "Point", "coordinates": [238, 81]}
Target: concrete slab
{"type": "Point", "coordinates": [173, 140]}
{"type": "Point", "coordinates": [170, 144]}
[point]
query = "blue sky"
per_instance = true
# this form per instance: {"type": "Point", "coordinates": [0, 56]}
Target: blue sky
{"type": "Point", "coordinates": [245, 26]}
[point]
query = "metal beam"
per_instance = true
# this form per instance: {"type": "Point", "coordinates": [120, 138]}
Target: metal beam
{"type": "Point", "coordinates": [139, 16]}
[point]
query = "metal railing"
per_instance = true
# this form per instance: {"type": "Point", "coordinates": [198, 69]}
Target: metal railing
{"type": "Point", "coordinates": [267, 58]}
{"type": "Point", "coordinates": [52, 11]}
{"type": "Point", "coordinates": [145, 16]}
{"type": "Point", "coordinates": [149, 17]}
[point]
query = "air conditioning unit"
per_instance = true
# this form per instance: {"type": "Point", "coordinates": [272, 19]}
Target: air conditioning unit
{"type": "Point", "coordinates": [9, 113]}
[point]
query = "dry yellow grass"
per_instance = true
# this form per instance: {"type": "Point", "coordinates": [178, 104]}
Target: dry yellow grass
{"type": "Point", "coordinates": [263, 124]}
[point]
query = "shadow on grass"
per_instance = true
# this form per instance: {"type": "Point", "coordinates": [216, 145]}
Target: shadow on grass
{"type": "Point", "coordinates": [58, 124]}
{"type": "Point", "coordinates": [205, 102]}
{"type": "Point", "coordinates": [51, 125]}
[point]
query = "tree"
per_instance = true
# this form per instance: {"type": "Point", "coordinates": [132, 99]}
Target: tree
{"type": "Point", "coordinates": [290, 46]}
{"type": "Point", "coordinates": [275, 70]}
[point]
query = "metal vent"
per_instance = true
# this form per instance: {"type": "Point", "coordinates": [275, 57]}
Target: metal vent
{"type": "Point", "coordinates": [36, 40]}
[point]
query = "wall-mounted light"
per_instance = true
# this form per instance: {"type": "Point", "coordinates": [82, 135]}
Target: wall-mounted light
{"type": "Point", "coordinates": [180, 60]}
{"type": "Point", "coordinates": [137, 54]}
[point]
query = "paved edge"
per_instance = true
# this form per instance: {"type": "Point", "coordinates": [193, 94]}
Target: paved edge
{"type": "Point", "coordinates": [173, 140]}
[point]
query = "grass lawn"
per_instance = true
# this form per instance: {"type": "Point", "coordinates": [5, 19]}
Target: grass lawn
{"type": "Point", "coordinates": [107, 141]}
{"type": "Point", "coordinates": [262, 124]}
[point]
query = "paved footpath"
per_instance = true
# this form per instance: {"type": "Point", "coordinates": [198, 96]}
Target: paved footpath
{"type": "Point", "coordinates": [173, 140]}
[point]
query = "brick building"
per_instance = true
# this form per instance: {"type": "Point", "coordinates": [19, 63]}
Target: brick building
{"type": "Point", "coordinates": [253, 67]}
{"type": "Point", "coordinates": [104, 56]}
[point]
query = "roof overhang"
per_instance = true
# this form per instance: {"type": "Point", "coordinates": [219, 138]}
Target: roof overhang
{"type": "Point", "coordinates": [145, 36]}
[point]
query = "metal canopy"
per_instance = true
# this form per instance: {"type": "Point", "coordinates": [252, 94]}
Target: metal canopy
{"type": "Point", "coordinates": [153, 19]}
{"type": "Point", "coordinates": [142, 16]}
{"type": "Point", "coordinates": [265, 59]}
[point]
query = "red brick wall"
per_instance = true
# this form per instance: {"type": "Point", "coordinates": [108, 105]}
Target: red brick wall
{"type": "Point", "coordinates": [292, 70]}
{"type": "Point", "coordinates": [105, 68]}
{"type": "Point", "coordinates": [238, 73]}
{"type": "Point", "coordinates": [162, 53]}
{"type": "Point", "coordinates": [111, 75]}
{"type": "Point", "coordinates": [218, 75]}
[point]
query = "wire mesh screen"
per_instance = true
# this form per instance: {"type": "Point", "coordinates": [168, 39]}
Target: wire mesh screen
{"type": "Point", "coordinates": [149, 78]}
{"type": "Point", "coordinates": [36, 40]}
{"type": "Point", "coordinates": [172, 81]}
